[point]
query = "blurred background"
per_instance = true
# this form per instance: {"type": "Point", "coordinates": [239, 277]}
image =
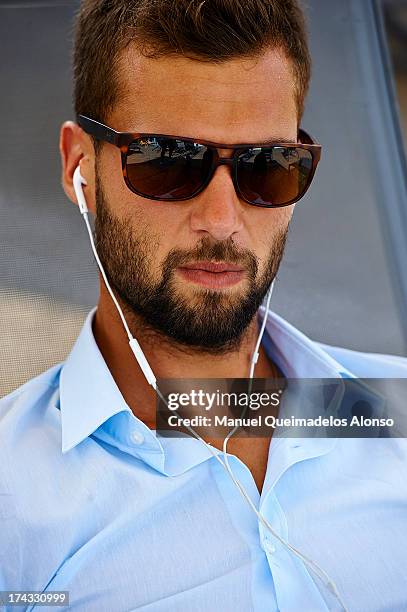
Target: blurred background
{"type": "Point", "coordinates": [343, 280]}
{"type": "Point", "coordinates": [395, 19]}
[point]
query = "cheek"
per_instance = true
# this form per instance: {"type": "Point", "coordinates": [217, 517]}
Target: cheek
{"type": "Point", "coordinates": [139, 214]}
{"type": "Point", "coordinates": [148, 221]}
{"type": "Point", "coordinates": [283, 217]}
{"type": "Point", "coordinates": [115, 190]}
{"type": "Point", "coordinates": [266, 226]}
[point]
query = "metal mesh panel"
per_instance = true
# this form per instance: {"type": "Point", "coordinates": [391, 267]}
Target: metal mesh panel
{"type": "Point", "coordinates": [48, 279]}
{"type": "Point", "coordinates": [42, 332]}
{"type": "Point", "coordinates": [338, 282]}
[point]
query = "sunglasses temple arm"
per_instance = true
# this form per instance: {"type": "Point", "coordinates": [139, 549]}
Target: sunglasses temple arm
{"type": "Point", "coordinates": [99, 130]}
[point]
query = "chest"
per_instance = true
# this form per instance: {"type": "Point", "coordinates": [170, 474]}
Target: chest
{"type": "Point", "coordinates": [121, 538]}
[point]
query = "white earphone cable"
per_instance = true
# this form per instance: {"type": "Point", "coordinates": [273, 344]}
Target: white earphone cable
{"type": "Point", "coordinates": [78, 181]}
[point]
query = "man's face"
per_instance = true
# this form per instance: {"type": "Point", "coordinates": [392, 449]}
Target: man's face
{"type": "Point", "coordinates": [150, 248]}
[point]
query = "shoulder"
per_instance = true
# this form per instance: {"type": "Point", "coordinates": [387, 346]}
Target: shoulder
{"type": "Point", "coordinates": [32, 394]}
{"type": "Point", "coordinates": [367, 365]}
{"type": "Point", "coordinates": [29, 430]}
{"type": "Point", "coordinates": [29, 434]}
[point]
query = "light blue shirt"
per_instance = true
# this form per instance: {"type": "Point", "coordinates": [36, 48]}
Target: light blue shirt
{"type": "Point", "coordinates": [94, 503]}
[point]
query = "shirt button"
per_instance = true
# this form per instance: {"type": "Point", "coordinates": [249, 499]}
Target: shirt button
{"type": "Point", "coordinates": [137, 437]}
{"type": "Point", "coordinates": [268, 545]}
{"type": "Point", "coordinates": [270, 548]}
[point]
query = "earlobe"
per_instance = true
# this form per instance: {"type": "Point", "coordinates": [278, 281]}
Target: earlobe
{"type": "Point", "coordinates": [76, 149]}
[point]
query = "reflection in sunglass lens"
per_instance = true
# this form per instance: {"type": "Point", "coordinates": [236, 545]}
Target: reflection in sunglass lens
{"type": "Point", "coordinates": [275, 175]}
{"type": "Point", "coordinates": [167, 168]}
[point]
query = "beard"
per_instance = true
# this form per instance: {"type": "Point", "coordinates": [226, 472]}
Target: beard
{"type": "Point", "coordinates": [208, 320]}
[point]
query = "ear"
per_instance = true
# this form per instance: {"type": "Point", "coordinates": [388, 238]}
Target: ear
{"type": "Point", "coordinates": [76, 148]}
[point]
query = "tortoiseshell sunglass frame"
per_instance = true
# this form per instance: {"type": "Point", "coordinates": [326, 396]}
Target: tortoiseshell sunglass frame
{"type": "Point", "coordinates": [123, 140]}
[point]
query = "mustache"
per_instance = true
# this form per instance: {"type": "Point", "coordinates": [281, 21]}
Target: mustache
{"type": "Point", "coordinates": [207, 250]}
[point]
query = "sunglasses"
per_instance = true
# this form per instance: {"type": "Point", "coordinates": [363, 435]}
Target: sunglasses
{"type": "Point", "coordinates": [173, 168]}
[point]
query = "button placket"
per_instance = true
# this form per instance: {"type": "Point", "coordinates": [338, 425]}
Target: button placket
{"type": "Point", "coordinates": [272, 511]}
{"type": "Point", "coordinates": [269, 544]}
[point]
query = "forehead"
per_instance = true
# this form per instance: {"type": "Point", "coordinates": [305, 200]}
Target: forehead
{"type": "Point", "coordinates": [238, 100]}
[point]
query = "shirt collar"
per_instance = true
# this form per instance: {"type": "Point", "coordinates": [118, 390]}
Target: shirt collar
{"type": "Point", "coordinates": [89, 396]}
{"type": "Point", "coordinates": [92, 404]}
{"type": "Point", "coordinates": [295, 354]}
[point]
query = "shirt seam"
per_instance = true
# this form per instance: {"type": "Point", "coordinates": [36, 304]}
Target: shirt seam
{"type": "Point", "coordinates": [27, 387]}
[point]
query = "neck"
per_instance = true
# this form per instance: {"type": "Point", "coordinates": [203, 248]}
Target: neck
{"type": "Point", "coordinates": [166, 358]}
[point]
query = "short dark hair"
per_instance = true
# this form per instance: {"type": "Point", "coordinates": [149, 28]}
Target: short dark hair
{"type": "Point", "coordinates": [206, 30]}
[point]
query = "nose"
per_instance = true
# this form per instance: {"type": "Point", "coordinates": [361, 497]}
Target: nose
{"type": "Point", "coordinates": [217, 210]}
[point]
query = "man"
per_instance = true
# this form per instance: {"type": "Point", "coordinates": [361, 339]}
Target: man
{"type": "Point", "coordinates": [92, 502]}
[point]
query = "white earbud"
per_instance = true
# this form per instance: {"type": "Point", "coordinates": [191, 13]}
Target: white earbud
{"type": "Point", "coordinates": [78, 181]}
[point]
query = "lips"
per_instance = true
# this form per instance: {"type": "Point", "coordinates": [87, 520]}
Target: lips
{"type": "Point", "coordinates": [214, 267]}
{"type": "Point", "coordinates": [213, 275]}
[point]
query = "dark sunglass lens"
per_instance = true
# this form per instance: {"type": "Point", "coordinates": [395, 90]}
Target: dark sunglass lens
{"type": "Point", "coordinates": [275, 175]}
{"type": "Point", "coordinates": [167, 168]}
